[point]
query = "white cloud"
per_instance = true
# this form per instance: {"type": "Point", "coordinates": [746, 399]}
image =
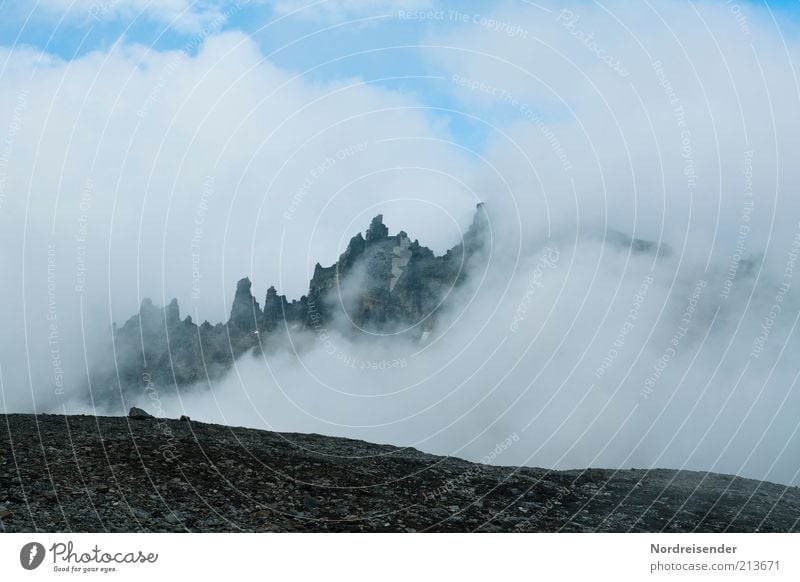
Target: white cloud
{"type": "Point", "coordinates": [732, 89]}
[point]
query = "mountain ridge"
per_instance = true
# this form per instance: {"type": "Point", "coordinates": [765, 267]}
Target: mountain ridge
{"type": "Point", "coordinates": [381, 284]}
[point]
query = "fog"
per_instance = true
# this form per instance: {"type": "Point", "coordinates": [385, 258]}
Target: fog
{"type": "Point", "coordinates": [135, 173]}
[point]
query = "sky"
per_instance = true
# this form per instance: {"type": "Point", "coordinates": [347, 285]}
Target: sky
{"type": "Point", "coordinates": [324, 40]}
{"type": "Point", "coordinates": [167, 149]}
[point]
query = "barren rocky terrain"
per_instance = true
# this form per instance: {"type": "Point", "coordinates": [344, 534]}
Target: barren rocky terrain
{"type": "Point", "coordinates": [89, 474]}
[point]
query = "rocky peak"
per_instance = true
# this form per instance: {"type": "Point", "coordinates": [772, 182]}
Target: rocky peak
{"type": "Point", "coordinates": [245, 312]}
{"type": "Point", "coordinates": [478, 231]}
{"type": "Point", "coordinates": [391, 283]}
{"type": "Point", "coordinates": [147, 309]}
{"type": "Point", "coordinates": [273, 309]}
{"type": "Point", "coordinates": [151, 318]}
{"type": "Point", "coordinates": [355, 249]}
{"type": "Point", "coordinates": [172, 313]}
{"type": "Point", "coordinates": [377, 230]}
{"type": "Point", "coordinates": [243, 285]}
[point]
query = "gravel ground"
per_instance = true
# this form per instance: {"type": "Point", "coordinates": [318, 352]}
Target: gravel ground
{"type": "Point", "coordinates": [90, 474]}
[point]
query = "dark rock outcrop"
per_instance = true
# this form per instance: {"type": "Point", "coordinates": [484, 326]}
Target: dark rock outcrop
{"type": "Point", "coordinates": [384, 283]}
{"type": "Point", "coordinates": [377, 231]}
{"type": "Point", "coordinates": [245, 312]}
{"type": "Point", "coordinates": [139, 413]}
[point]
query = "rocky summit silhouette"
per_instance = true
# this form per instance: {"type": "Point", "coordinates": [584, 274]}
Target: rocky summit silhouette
{"type": "Point", "coordinates": [382, 283]}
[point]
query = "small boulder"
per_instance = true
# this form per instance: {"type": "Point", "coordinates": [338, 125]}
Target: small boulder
{"type": "Point", "coordinates": [140, 514]}
{"type": "Point", "coordinates": [138, 413]}
{"type": "Point", "coordinates": [173, 519]}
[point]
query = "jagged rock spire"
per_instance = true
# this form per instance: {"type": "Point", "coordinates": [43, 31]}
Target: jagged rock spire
{"type": "Point", "coordinates": [478, 231]}
{"type": "Point", "coordinates": [172, 313]}
{"type": "Point", "coordinates": [151, 318]}
{"type": "Point", "coordinates": [377, 230]}
{"type": "Point", "coordinates": [273, 309]}
{"type": "Point", "coordinates": [245, 312]}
